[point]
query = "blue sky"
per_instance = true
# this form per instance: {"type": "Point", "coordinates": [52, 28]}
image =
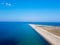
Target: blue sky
{"type": "Point", "coordinates": [30, 10]}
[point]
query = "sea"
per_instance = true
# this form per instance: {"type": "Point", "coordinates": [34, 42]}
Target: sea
{"type": "Point", "coordinates": [20, 33]}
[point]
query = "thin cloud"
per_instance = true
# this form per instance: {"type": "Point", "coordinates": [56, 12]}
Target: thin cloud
{"type": "Point", "coordinates": [6, 4]}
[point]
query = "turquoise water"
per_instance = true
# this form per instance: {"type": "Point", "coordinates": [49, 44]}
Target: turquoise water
{"type": "Point", "coordinates": [19, 33]}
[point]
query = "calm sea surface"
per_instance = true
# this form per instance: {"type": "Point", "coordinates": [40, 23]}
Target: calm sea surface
{"type": "Point", "coordinates": [20, 33]}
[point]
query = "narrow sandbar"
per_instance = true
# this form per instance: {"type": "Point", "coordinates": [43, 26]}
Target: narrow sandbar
{"type": "Point", "coordinates": [50, 33]}
{"type": "Point", "coordinates": [53, 29]}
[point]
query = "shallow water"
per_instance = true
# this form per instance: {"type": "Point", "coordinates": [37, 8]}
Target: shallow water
{"type": "Point", "coordinates": [19, 33]}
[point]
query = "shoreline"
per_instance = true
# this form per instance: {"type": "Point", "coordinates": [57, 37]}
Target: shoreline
{"type": "Point", "coordinates": [50, 37]}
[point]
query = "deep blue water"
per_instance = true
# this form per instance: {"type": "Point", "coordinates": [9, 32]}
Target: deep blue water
{"type": "Point", "coordinates": [20, 33]}
{"type": "Point", "coordinates": [47, 23]}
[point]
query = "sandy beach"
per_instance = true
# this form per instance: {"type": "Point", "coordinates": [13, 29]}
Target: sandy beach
{"type": "Point", "coordinates": [50, 33]}
{"type": "Point", "coordinates": [53, 29]}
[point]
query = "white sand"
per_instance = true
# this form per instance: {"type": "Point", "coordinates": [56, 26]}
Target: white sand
{"type": "Point", "coordinates": [53, 39]}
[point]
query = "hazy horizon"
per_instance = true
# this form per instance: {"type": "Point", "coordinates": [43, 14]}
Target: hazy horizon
{"type": "Point", "coordinates": [30, 10]}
